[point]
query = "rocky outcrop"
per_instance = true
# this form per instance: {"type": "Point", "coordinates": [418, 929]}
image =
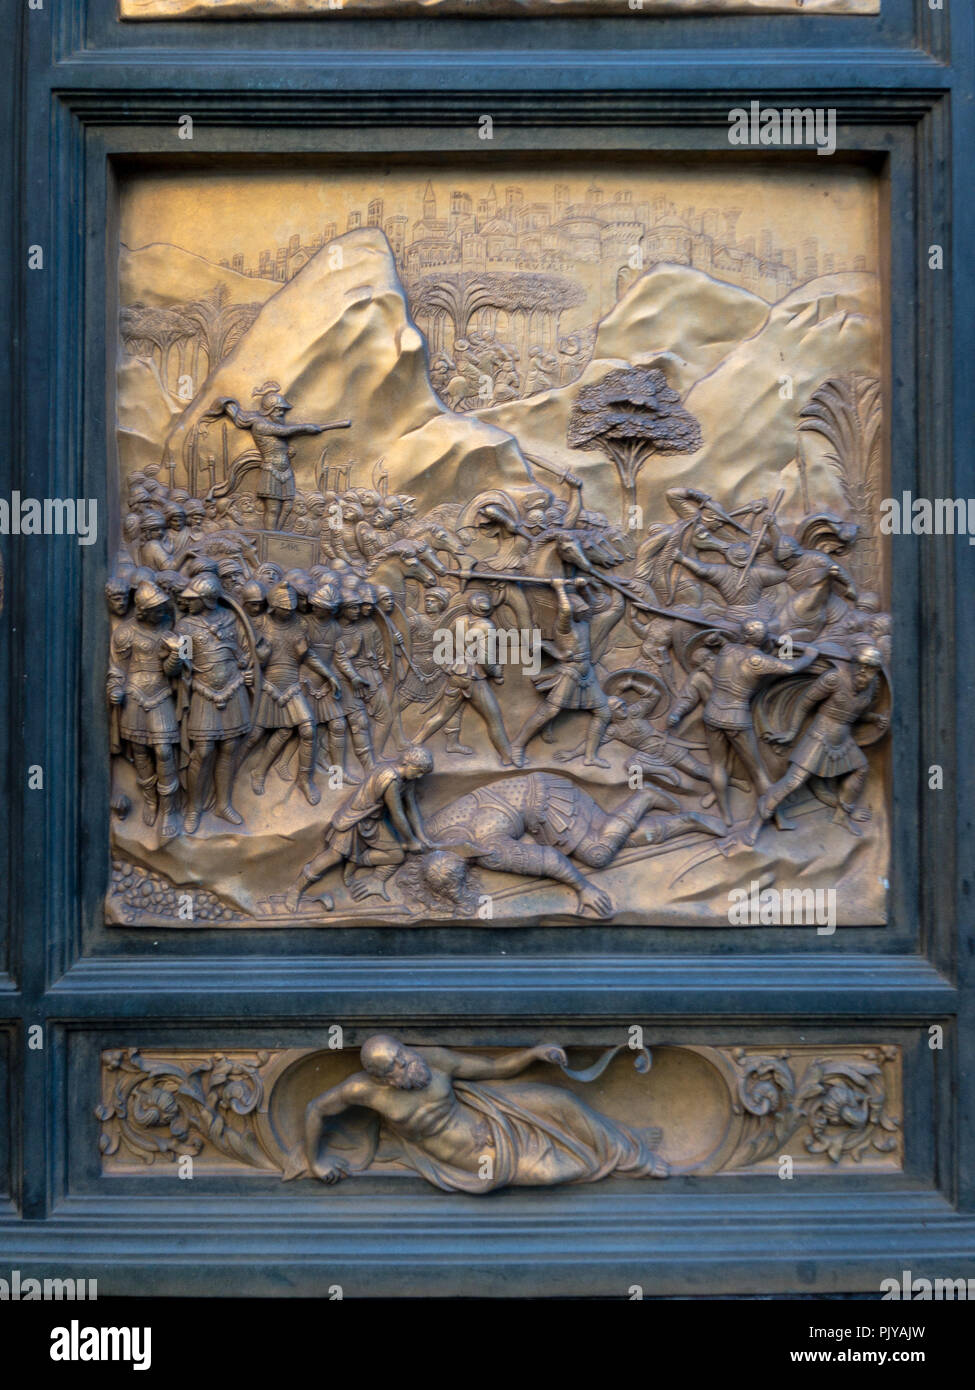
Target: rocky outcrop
{"type": "Point", "coordinates": [339, 340]}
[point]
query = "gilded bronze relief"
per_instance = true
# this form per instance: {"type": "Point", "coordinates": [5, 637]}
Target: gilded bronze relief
{"type": "Point", "coordinates": [484, 1119]}
{"type": "Point", "coordinates": [499, 549]}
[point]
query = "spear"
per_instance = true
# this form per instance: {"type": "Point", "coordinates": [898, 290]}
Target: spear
{"type": "Point", "coordinates": [760, 536]}
{"type": "Point", "coordinates": [680, 615]}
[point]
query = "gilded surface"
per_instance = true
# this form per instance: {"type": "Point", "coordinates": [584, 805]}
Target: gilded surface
{"type": "Point", "coordinates": [217, 9]}
{"type": "Point", "coordinates": [483, 1119]}
{"type": "Point", "coordinates": [500, 547]}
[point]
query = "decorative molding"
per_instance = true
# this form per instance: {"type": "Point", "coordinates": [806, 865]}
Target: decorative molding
{"type": "Point", "coordinates": [480, 9]}
{"type": "Point", "coordinates": [684, 1110]}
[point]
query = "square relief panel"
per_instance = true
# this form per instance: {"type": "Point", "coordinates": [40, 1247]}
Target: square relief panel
{"type": "Point", "coordinates": [500, 546]}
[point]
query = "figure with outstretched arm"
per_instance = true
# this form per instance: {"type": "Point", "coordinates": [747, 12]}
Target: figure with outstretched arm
{"type": "Point", "coordinates": [466, 1125]}
{"type": "Point", "coordinates": [271, 434]}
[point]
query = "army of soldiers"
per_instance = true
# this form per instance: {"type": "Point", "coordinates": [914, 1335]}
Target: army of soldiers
{"type": "Point", "coordinates": [731, 658]}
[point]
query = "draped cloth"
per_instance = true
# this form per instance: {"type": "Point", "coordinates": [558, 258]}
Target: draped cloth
{"type": "Point", "coordinates": [540, 1135]}
{"type": "Point", "coordinates": [537, 1135]}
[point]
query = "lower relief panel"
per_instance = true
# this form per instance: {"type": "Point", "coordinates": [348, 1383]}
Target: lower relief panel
{"type": "Point", "coordinates": [474, 1119]}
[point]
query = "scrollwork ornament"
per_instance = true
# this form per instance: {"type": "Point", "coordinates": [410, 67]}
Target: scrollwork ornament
{"type": "Point", "coordinates": [157, 1108]}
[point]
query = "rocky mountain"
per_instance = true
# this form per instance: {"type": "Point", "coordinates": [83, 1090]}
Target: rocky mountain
{"type": "Point", "coordinates": [339, 340]}
{"type": "Point", "coordinates": [745, 370]}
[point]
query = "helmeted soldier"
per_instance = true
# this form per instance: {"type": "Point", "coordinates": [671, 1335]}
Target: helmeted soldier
{"type": "Point", "coordinates": [574, 683]}
{"type": "Point", "coordinates": [253, 597]}
{"type": "Point", "coordinates": [218, 674]}
{"type": "Point", "coordinates": [740, 670]}
{"type": "Point", "coordinates": [844, 696]}
{"type": "Point", "coordinates": [325, 642]}
{"type": "Point", "coordinates": [283, 707]}
{"type": "Point", "coordinates": [366, 650]}
{"type": "Point", "coordinates": [144, 656]}
{"type": "Point", "coordinates": [473, 648]}
{"type": "Point", "coordinates": [271, 433]}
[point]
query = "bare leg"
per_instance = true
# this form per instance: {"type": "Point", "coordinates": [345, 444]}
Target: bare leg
{"type": "Point", "coordinates": [719, 750]}
{"type": "Point", "coordinates": [377, 702]}
{"type": "Point", "coordinates": [536, 721]}
{"type": "Point", "coordinates": [438, 719]}
{"type": "Point", "coordinates": [311, 873]}
{"type": "Point", "coordinates": [485, 702]}
{"type": "Point", "coordinates": [385, 861]}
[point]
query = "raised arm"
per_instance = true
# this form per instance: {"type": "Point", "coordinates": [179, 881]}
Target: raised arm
{"type": "Point", "coordinates": [468, 1068]}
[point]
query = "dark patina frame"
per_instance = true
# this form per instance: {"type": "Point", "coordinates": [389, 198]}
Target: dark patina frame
{"type": "Point", "coordinates": [92, 97]}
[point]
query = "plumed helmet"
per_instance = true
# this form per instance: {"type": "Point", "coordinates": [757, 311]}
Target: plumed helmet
{"type": "Point", "coordinates": [271, 398]}
{"type": "Point", "coordinates": [301, 581]}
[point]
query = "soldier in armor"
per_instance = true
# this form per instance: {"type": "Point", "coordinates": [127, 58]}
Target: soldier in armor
{"type": "Point", "coordinates": [144, 656]}
{"type": "Point", "coordinates": [490, 826]}
{"type": "Point", "coordinates": [325, 642]}
{"type": "Point", "coordinates": [218, 672]}
{"type": "Point", "coordinates": [828, 750]}
{"type": "Point", "coordinates": [657, 753]}
{"type": "Point", "coordinates": [574, 684]}
{"type": "Point", "coordinates": [366, 650]}
{"type": "Point", "coordinates": [741, 587]}
{"type": "Point", "coordinates": [271, 433]}
{"type": "Point", "coordinates": [740, 670]}
{"type": "Point", "coordinates": [468, 675]}
{"type": "Point", "coordinates": [282, 646]}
